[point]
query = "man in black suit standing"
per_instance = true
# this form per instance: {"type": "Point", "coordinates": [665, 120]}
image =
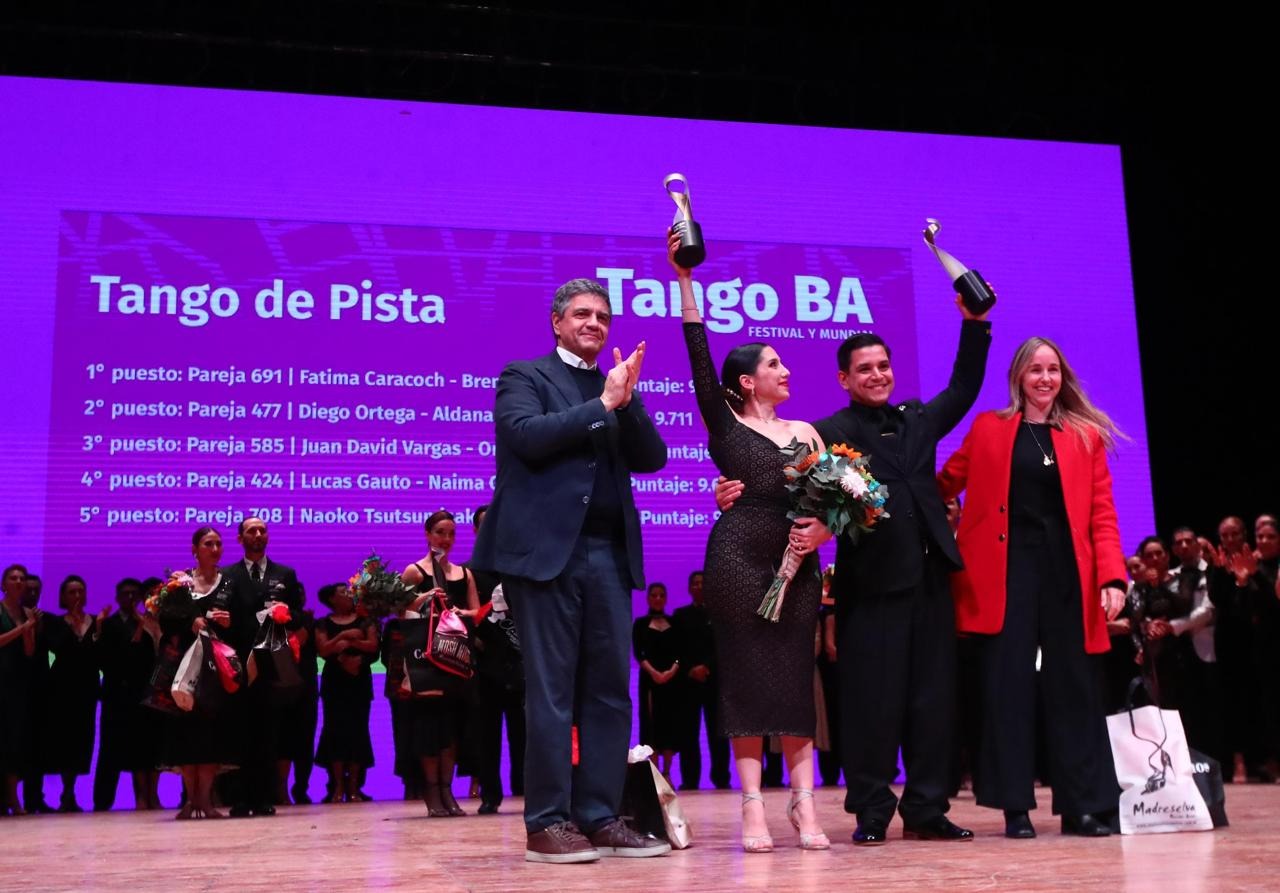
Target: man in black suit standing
{"type": "Point", "coordinates": [895, 619]}
{"type": "Point", "coordinates": [700, 692]}
{"type": "Point", "coordinates": [564, 534]}
{"type": "Point", "coordinates": [258, 582]}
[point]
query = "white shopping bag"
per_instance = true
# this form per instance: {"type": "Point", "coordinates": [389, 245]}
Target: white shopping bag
{"type": "Point", "coordinates": [1158, 788]}
{"type": "Point", "coordinates": [184, 681]}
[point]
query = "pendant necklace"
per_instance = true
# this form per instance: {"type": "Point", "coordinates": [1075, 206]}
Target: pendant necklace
{"type": "Point", "coordinates": [1048, 460]}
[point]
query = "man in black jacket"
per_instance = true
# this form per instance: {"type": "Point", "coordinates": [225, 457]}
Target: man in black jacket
{"type": "Point", "coordinates": [258, 582]}
{"type": "Point", "coordinates": [894, 615]}
{"type": "Point", "coordinates": [564, 534]}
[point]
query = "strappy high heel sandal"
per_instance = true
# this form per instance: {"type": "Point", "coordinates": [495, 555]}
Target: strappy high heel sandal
{"type": "Point", "coordinates": [762, 843]}
{"type": "Point", "coordinates": [817, 841]}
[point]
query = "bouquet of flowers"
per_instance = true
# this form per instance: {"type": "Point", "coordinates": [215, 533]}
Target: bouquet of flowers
{"type": "Point", "coordinates": [378, 592]}
{"type": "Point", "coordinates": [168, 597]}
{"type": "Point", "coordinates": [836, 487]}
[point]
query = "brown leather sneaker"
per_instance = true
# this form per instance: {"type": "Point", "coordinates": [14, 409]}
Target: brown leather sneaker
{"type": "Point", "coordinates": [561, 842]}
{"type": "Point", "coordinates": [617, 838]}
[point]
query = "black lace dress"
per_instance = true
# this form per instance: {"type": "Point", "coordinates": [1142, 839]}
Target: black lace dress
{"type": "Point", "coordinates": [766, 669]}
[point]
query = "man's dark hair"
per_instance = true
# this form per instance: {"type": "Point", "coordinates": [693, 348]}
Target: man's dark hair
{"type": "Point", "coordinates": [128, 582]}
{"type": "Point", "coordinates": [697, 573]}
{"type": "Point", "coordinates": [857, 342]}
{"type": "Point", "coordinates": [475, 515]}
{"type": "Point", "coordinates": [1148, 540]}
{"type": "Point", "coordinates": [566, 293]}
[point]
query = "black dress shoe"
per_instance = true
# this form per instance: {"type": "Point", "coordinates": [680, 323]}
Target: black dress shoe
{"type": "Point", "coordinates": [937, 828]}
{"type": "Point", "coordinates": [1085, 826]}
{"type": "Point", "coordinates": [1018, 825]}
{"type": "Point", "coordinates": [487, 807]}
{"type": "Point", "coordinates": [241, 811]}
{"type": "Point", "coordinates": [870, 833]}
{"type": "Point", "coordinates": [264, 809]}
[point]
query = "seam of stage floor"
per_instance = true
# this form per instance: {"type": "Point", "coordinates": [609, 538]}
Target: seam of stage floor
{"type": "Point", "coordinates": [393, 845]}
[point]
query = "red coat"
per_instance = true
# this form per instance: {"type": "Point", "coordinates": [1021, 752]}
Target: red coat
{"type": "Point", "coordinates": [982, 467]}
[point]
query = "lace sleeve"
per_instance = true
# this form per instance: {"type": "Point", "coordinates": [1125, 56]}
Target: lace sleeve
{"type": "Point", "coordinates": [706, 384]}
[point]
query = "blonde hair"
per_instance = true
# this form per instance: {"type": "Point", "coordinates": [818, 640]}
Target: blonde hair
{"type": "Point", "coordinates": [1072, 408]}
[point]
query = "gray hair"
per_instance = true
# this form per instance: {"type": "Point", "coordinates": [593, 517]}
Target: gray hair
{"type": "Point", "coordinates": [573, 288]}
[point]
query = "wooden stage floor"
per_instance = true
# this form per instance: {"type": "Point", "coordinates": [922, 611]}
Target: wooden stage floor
{"type": "Point", "coordinates": [394, 846]}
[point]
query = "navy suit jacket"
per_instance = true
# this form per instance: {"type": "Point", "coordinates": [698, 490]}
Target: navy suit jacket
{"type": "Point", "coordinates": [279, 583]}
{"type": "Point", "coordinates": [891, 558]}
{"type": "Point", "coordinates": [547, 443]}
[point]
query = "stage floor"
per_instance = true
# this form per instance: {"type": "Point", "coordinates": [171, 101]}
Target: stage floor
{"type": "Point", "coordinates": [394, 846]}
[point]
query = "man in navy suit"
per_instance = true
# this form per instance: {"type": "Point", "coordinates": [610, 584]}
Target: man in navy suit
{"type": "Point", "coordinates": [564, 534]}
{"type": "Point", "coordinates": [258, 582]}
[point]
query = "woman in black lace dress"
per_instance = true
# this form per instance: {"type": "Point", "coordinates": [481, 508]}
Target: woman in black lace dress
{"type": "Point", "coordinates": [766, 669]}
{"type": "Point", "coordinates": [436, 719]}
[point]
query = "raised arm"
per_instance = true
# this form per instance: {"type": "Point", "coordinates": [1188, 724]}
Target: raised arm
{"type": "Point", "coordinates": [949, 407]}
{"type": "Point", "coordinates": [716, 414]}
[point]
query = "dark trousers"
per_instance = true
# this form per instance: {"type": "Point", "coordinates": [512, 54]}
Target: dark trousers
{"type": "Point", "coordinates": [575, 635]}
{"type": "Point", "coordinates": [897, 659]}
{"type": "Point", "coordinates": [494, 701]}
{"type": "Point", "coordinates": [1043, 610]}
{"type": "Point", "coordinates": [829, 760]}
{"type": "Point", "coordinates": [254, 783]}
{"type": "Point", "coordinates": [1202, 713]}
{"type": "Point", "coordinates": [698, 700]}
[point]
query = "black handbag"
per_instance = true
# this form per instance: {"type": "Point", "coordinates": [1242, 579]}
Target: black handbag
{"type": "Point", "coordinates": [422, 673]}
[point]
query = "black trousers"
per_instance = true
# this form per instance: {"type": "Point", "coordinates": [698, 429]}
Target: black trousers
{"type": "Point", "coordinates": [254, 783]}
{"type": "Point", "coordinates": [1043, 610]}
{"type": "Point", "coordinates": [493, 702]}
{"type": "Point", "coordinates": [829, 760]}
{"type": "Point", "coordinates": [575, 637]}
{"type": "Point", "coordinates": [897, 660]}
{"type": "Point", "coordinates": [699, 700]}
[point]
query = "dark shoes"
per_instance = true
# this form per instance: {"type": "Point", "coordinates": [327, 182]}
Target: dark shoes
{"type": "Point", "coordinates": [870, 833]}
{"type": "Point", "coordinates": [1085, 826]}
{"type": "Point", "coordinates": [558, 844]}
{"type": "Point", "coordinates": [936, 828]}
{"type": "Point", "coordinates": [1017, 825]}
{"type": "Point", "coordinates": [243, 810]}
{"type": "Point", "coordinates": [616, 838]}
{"type": "Point", "coordinates": [487, 807]}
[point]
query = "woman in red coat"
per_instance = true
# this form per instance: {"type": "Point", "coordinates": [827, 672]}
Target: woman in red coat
{"type": "Point", "coordinates": [1043, 569]}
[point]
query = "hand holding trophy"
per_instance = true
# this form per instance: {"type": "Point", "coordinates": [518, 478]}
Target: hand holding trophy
{"type": "Point", "coordinates": [692, 250]}
{"type": "Point", "coordinates": [975, 292]}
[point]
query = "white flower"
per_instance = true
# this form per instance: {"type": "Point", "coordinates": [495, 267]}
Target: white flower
{"type": "Point", "coordinates": [852, 483]}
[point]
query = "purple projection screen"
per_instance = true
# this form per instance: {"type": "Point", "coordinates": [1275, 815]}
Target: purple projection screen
{"type": "Point", "coordinates": [223, 302]}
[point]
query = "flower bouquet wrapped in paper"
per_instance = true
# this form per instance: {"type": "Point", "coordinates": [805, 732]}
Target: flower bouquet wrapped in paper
{"type": "Point", "coordinates": [171, 597]}
{"type": "Point", "coordinates": [378, 592]}
{"type": "Point", "coordinates": [836, 487]}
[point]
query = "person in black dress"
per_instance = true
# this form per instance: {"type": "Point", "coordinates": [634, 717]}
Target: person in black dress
{"type": "Point", "coordinates": [130, 732]}
{"type": "Point", "coordinates": [200, 742]}
{"type": "Point", "coordinates": [655, 643]}
{"type": "Point", "coordinates": [347, 642]}
{"type": "Point", "coordinates": [73, 688]}
{"type": "Point", "coordinates": [436, 720]}
{"type": "Point", "coordinates": [499, 691]}
{"type": "Point", "coordinates": [300, 716]}
{"type": "Point", "coordinates": [766, 678]}
{"type": "Point", "coordinates": [1158, 603]}
{"type": "Point", "coordinates": [17, 648]}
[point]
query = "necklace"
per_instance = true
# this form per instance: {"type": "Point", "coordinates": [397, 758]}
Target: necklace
{"type": "Point", "coordinates": [1048, 459]}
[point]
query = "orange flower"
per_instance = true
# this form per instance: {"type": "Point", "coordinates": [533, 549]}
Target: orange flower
{"type": "Point", "coordinates": [841, 449]}
{"type": "Point", "coordinates": [807, 462]}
